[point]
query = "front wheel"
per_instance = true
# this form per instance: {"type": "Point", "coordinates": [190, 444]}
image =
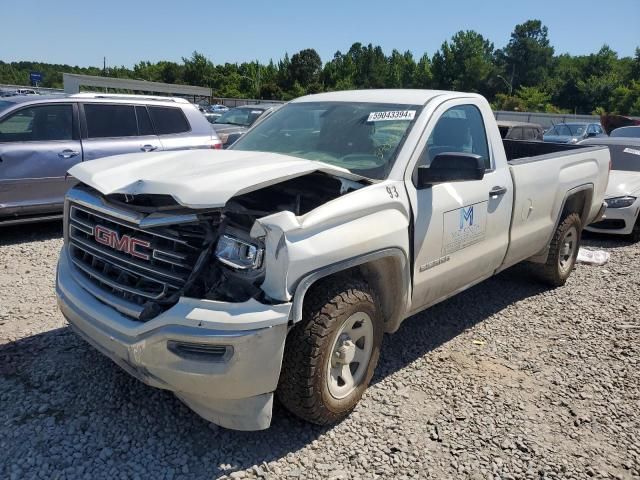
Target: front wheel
{"type": "Point", "coordinates": [563, 252]}
{"type": "Point", "coordinates": [330, 356]}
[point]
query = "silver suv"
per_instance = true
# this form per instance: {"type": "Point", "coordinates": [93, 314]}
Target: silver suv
{"type": "Point", "coordinates": [42, 137]}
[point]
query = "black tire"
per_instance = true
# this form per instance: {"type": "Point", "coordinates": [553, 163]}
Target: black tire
{"type": "Point", "coordinates": [303, 387]}
{"type": "Point", "coordinates": [635, 233]}
{"type": "Point", "coordinates": [560, 265]}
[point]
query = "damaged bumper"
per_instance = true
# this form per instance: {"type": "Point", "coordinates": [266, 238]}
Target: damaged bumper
{"type": "Point", "coordinates": [222, 359]}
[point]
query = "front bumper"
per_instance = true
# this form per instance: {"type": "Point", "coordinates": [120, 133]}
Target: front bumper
{"type": "Point", "coordinates": [619, 221]}
{"type": "Point", "coordinates": [222, 359]}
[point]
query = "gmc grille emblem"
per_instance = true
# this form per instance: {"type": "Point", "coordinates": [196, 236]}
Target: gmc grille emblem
{"type": "Point", "coordinates": [124, 243]}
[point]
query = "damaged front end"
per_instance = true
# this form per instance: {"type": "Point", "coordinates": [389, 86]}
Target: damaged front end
{"type": "Point", "coordinates": [144, 252]}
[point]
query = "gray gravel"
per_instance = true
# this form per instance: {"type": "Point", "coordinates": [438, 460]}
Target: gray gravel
{"type": "Point", "coordinates": [507, 380]}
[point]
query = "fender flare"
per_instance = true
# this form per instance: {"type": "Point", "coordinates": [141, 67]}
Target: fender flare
{"type": "Point", "coordinates": [541, 256]}
{"type": "Point", "coordinates": [308, 280]}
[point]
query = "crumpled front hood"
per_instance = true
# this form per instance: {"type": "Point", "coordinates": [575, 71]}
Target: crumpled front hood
{"type": "Point", "coordinates": [196, 178]}
{"type": "Point", "coordinates": [622, 183]}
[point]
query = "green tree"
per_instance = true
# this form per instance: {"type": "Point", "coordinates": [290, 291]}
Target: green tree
{"type": "Point", "coordinates": [422, 75]}
{"type": "Point", "coordinates": [198, 70]}
{"type": "Point", "coordinates": [305, 67]}
{"type": "Point", "coordinates": [528, 57]}
{"type": "Point", "coordinates": [464, 64]}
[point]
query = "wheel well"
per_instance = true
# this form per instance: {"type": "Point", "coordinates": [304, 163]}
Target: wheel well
{"type": "Point", "coordinates": [386, 276]}
{"type": "Point", "coordinates": [577, 202]}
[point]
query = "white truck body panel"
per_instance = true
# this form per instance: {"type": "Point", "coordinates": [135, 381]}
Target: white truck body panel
{"type": "Point", "coordinates": [541, 187]}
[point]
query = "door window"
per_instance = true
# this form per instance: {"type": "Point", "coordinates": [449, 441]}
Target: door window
{"type": "Point", "coordinates": [41, 123]}
{"type": "Point", "coordinates": [168, 120]}
{"type": "Point", "coordinates": [144, 122]}
{"type": "Point", "coordinates": [516, 133]}
{"type": "Point", "coordinates": [105, 121]}
{"type": "Point", "coordinates": [529, 134]}
{"type": "Point", "coordinates": [459, 130]}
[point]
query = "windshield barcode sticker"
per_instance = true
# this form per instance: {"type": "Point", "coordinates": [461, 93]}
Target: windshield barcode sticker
{"type": "Point", "coordinates": [391, 115]}
{"type": "Point", "coordinates": [632, 151]}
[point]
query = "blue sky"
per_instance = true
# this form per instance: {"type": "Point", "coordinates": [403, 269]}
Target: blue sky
{"type": "Point", "coordinates": [82, 32]}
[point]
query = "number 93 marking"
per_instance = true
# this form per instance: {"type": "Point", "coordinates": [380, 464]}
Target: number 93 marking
{"type": "Point", "coordinates": [393, 193]}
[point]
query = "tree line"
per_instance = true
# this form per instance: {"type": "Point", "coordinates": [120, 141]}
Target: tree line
{"type": "Point", "coordinates": [526, 74]}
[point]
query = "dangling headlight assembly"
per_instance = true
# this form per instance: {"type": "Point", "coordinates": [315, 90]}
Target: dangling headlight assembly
{"type": "Point", "coordinates": [620, 202]}
{"type": "Point", "coordinates": [238, 254]}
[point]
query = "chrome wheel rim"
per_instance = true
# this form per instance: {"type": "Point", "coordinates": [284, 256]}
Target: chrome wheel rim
{"type": "Point", "coordinates": [350, 355]}
{"type": "Point", "coordinates": [568, 249]}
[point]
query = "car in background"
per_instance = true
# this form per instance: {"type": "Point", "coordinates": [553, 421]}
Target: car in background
{"type": "Point", "coordinates": [520, 130]}
{"type": "Point", "coordinates": [573, 132]}
{"type": "Point", "coordinates": [212, 112]}
{"type": "Point", "coordinates": [232, 124]}
{"type": "Point", "coordinates": [17, 92]}
{"type": "Point", "coordinates": [626, 132]}
{"type": "Point", "coordinates": [42, 137]}
{"type": "Point", "coordinates": [217, 108]}
{"type": "Point", "coordinates": [623, 190]}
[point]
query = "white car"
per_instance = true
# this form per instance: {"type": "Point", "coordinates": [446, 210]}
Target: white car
{"type": "Point", "coordinates": [623, 190]}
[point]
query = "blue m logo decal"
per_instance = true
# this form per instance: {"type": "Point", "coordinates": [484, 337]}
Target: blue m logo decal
{"type": "Point", "coordinates": [466, 216]}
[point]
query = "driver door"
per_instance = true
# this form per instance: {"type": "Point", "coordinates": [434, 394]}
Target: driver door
{"type": "Point", "coordinates": [461, 228]}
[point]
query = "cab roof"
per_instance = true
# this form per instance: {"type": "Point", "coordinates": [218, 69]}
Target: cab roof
{"type": "Point", "coordinates": [399, 96]}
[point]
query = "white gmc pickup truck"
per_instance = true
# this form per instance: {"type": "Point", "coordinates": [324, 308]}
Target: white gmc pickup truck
{"type": "Point", "coordinates": [275, 267]}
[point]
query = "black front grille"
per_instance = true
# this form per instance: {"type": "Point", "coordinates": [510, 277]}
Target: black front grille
{"type": "Point", "coordinates": [137, 265]}
{"type": "Point", "coordinates": [610, 224]}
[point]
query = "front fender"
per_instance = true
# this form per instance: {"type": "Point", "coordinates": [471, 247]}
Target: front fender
{"type": "Point", "coordinates": [362, 223]}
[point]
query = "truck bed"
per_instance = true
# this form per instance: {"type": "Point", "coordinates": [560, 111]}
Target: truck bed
{"type": "Point", "coordinates": [543, 175]}
{"type": "Point", "coordinates": [519, 151]}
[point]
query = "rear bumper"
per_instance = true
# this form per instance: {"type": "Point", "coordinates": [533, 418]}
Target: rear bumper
{"type": "Point", "coordinates": [222, 359]}
{"type": "Point", "coordinates": [618, 221]}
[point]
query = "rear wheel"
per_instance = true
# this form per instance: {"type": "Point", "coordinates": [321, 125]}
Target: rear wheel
{"type": "Point", "coordinates": [330, 356]}
{"type": "Point", "coordinates": [563, 252]}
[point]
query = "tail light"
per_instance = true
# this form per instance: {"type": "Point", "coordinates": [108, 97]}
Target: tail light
{"type": "Point", "coordinates": [215, 144]}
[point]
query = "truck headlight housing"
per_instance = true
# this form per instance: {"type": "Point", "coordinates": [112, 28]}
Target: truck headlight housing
{"type": "Point", "coordinates": [238, 254]}
{"type": "Point", "coordinates": [620, 202]}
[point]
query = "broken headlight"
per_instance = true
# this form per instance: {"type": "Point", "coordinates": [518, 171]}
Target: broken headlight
{"type": "Point", "coordinates": [238, 254]}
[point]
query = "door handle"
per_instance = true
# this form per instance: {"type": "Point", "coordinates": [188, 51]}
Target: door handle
{"type": "Point", "coordinates": [497, 191]}
{"type": "Point", "coordinates": [148, 148]}
{"type": "Point", "coordinates": [68, 154]}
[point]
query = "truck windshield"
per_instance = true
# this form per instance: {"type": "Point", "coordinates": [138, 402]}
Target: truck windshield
{"type": "Point", "coordinates": [361, 137]}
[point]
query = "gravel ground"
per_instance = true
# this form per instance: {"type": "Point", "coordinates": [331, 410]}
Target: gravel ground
{"type": "Point", "coordinates": [506, 380]}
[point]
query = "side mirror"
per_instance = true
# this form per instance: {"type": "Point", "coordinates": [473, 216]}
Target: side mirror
{"type": "Point", "coordinates": [591, 134]}
{"type": "Point", "coordinates": [451, 167]}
